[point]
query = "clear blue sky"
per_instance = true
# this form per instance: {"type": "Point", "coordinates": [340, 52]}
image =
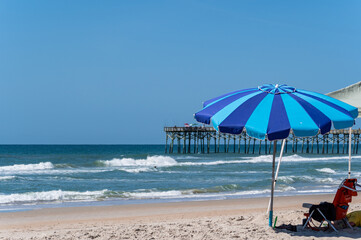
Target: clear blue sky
{"type": "Point", "coordinates": [119, 71]}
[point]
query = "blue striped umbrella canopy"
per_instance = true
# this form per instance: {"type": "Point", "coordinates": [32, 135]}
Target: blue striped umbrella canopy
{"type": "Point", "coordinates": [272, 111]}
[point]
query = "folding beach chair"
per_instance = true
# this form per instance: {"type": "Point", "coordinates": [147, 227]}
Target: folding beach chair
{"type": "Point", "coordinates": [332, 212]}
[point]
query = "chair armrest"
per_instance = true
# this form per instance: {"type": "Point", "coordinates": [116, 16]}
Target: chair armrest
{"type": "Point", "coordinates": [351, 189]}
{"type": "Point", "coordinates": [307, 205]}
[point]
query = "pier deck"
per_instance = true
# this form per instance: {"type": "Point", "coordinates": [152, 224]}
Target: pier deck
{"type": "Point", "coordinates": [200, 139]}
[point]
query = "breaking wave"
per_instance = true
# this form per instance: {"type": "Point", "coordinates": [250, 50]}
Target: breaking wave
{"type": "Point", "coordinates": [147, 164]}
{"type": "Point", "coordinates": [159, 161]}
{"type": "Point", "coordinates": [292, 179]}
{"type": "Point", "coordinates": [224, 191]}
{"type": "Point", "coordinates": [217, 192]}
{"type": "Point", "coordinates": [50, 196]}
{"type": "Point", "coordinates": [326, 170]}
{"type": "Point", "coordinates": [295, 158]}
{"type": "Point", "coordinates": [3, 178]}
{"type": "Point", "coordinates": [27, 167]}
{"type": "Point", "coordinates": [151, 163]}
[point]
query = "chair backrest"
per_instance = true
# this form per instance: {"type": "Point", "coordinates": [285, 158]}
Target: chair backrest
{"type": "Point", "coordinates": [343, 197]}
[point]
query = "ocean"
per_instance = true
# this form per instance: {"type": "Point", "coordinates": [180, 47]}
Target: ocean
{"type": "Point", "coordinates": [39, 176]}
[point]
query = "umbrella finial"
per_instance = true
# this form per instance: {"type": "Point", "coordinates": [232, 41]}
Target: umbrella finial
{"type": "Point", "coordinates": [276, 86]}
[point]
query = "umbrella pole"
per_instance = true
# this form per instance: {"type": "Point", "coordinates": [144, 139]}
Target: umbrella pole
{"type": "Point", "coordinates": [349, 153]}
{"type": "Point", "coordinates": [270, 218]}
{"type": "Point", "coordinates": [277, 171]}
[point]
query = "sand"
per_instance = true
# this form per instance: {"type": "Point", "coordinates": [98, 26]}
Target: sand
{"type": "Point", "coordinates": [218, 219]}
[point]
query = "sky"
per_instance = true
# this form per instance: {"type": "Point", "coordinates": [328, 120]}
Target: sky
{"type": "Point", "coordinates": [117, 72]}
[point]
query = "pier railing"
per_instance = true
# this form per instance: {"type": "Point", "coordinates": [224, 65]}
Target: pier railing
{"type": "Point", "coordinates": [189, 129]}
{"type": "Point", "coordinates": [208, 140]}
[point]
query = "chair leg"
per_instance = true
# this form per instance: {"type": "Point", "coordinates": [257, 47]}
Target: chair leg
{"type": "Point", "coordinates": [347, 222]}
{"type": "Point", "coordinates": [321, 224]}
{"type": "Point", "coordinates": [329, 222]}
{"type": "Point", "coordinates": [308, 219]}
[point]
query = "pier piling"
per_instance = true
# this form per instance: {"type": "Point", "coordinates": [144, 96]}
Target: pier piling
{"type": "Point", "coordinates": [200, 139]}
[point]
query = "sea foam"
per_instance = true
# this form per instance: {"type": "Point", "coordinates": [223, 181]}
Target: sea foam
{"type": "Point", "coordinates": [291, 179]}
{"type": "Point", "coordinates": [27, 167]}
{"type": "Point", "coordinates": [294, 158]}
{"type": "Point", "coordinates": [158, 161]}
{"type": "Point", "coordinates": [2, 178]}
{"type": "Point", "coordinates": [147, 164]}
{"type": "Point", "coordinates": [265, 159]}
{"type": "Point", "coordinates": [50, 196]}
{"type": "Point", "coordinates": [184, 194]}
{"type": "Point", "coordinates": [193, 193]}
{"type": "Point", "coordinates": [326, 170]}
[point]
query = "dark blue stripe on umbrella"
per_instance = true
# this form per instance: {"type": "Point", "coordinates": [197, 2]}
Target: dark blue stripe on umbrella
{"type": "Point", "coordinates": [320, 119]}
{"type": "Point", "coordinates": [278, 124]}
{"type": "Point", "coordinates": [328, 103]}
{"type": "Point", "coordinates": [205, 114]}
{"type": "Point", "coordinates": [206, 103]}
{"type": "Point", "coordinates": [236, 121]}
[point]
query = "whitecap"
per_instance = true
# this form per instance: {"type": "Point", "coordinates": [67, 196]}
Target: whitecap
{"type": "Point", "coordinates": [137, 170]}
{"type": "Point", "coordinates": [158, 161]}
{"type": "Point", "coordinates": [293, 179]}
{"type": "Point", "coordinates": [180, 194]}
{"type": "Point", "coordinates": [6, 177]}
{"type": "Point", "coordinates": [27, 167]}
{"type": "Point", "coordinates": [153, 194]}
{"type": "Point", "coordinates": [50, 196]}
{"type": "Point", "coordinates": [317, 191]}
{"type": "Point", "coordinates": [326, 170]}
{"type": "Point", "coordinates": [294, 158]}
{"type": "Point", "coordinates": [166, 161]}
{"type": "Point", "coordinates": [286, 179]}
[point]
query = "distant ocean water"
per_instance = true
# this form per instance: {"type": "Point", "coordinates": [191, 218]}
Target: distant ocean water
{"type": "Point", "coordinates": [42, 175]}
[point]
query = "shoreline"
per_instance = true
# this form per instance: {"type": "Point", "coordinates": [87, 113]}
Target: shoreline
{"type": "Point", "coordinates": [245, 218]}
{"type": "Point", "coordinates": [120, 202]}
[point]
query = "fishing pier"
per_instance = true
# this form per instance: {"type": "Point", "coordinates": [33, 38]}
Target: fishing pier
{"type": "Point", "coordinates": [208, 140]}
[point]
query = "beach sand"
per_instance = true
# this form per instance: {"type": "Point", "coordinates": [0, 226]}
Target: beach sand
{"type": "Point", "coordinates": [217, 219]}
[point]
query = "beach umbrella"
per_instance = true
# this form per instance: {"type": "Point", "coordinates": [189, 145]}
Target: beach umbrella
{"type": "Point", "coordinates": [272, 112]}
